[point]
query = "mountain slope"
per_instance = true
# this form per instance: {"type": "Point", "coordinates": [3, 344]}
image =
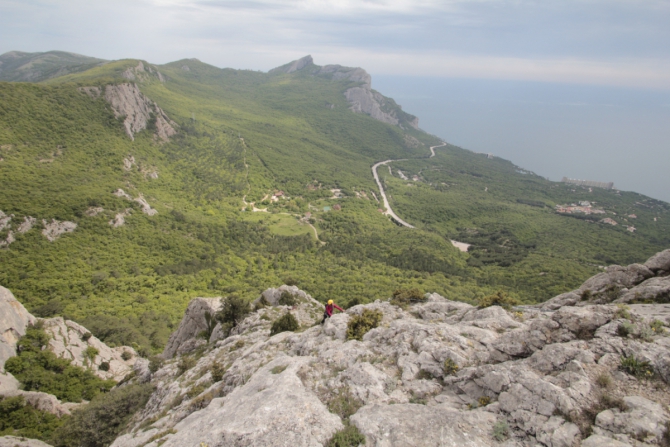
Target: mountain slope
{"type": "Point", "coordinates": [18, 66]}
{"type": "Point", "coordinates": [145, 178]}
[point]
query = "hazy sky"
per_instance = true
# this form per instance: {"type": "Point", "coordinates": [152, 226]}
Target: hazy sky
{"type": "Point", "coordinates": [615, 42]}
{"type": "Point", "coordinates": [565, 87]}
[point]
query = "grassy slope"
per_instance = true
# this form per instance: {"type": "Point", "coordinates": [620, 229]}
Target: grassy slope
{"type": "Point", "coordinates": [202, 244]}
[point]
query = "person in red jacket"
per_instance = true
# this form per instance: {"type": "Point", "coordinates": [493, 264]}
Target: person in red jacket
{"type": "Point", "coordinates": [330, 308]}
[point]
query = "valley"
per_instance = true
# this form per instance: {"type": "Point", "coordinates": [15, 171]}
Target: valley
{"type": "Point", "coordinates": [202, 142]}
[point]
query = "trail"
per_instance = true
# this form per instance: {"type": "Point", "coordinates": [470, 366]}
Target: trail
{"type": "Point", "coordinates": [389, 211]}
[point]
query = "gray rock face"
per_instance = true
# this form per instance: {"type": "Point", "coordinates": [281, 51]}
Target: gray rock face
{"type": "Point", "coordinates": [437, 373]}
{"type": "Point", "coordinates": [127, 100]}
{"type": "Point", "coordinates": [14, 319]}
{"type": "Point", "coordinates": [54, 229]}
{"type": "Point", "coordinates": [146, 208]}
{"type": "Point", "coordinates": [13, 441]}
{"type": "Point", "coordinates": [193, 323]}
{"type": "Point", "coordinates": [659, 262]}
{"type": "Point", "coordinates": [294, 66]}
{"type": "Point", "coordinates": [68, 341]}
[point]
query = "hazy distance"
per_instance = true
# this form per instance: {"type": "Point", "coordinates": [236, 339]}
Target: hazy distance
{"type": "Point", "coordinates": [578, 131]}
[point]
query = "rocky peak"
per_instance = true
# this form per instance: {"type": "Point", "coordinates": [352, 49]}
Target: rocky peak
{"type": "Point", "coordinates": [294, 66]}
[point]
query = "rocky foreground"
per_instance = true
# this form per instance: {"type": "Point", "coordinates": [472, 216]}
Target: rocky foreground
{"type": "Point", "coordinates": [590, 367]}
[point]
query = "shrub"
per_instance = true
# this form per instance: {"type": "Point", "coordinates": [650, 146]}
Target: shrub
{"type": "Point", "coordinates": [278, 369]}
{"type": "Point", "coordinates": [349, 436]}
{"type": "Point", "coordinates": [625, 329]}
{"type": "Point", "coordinates": [450, 367]}
{"type": "Point", "coordinates": [499, 298]}
{"type": "Point", "coordinates": [155, 363]}
{"type": "Point", "coordinates": [102, 420]}
{"type": "Point", "coordinates": [285, 323]}
{"type": "Point", "coordinates": [261, 303]}
{"type": "Point", "coordinates": [126, 355]}
{"type": "Point", "coordinates": [484, 401]}
{"type": "Point", "coordinates": [19, 419]}
{"type": "Point", "coordinates": [344, 404]}
{"type": "Point", "coordinates": [405, 297]}
{"type": "Point", "coordinates": [217, 372]}
{"type": "Point", "coordinates": [233, 310]}
{"type": "Point", "coordinates": [501, 431]}
{"type": "Point", "coordinates": [185, 363]}
{"type": "Point", "coordinates": [196, 391]}
{"type": "Point", "coordinates": [657, 326]}
{"type": "Point", "coordinates": [42, 370]}
{"type": "Point", "coordinates": [91, 353]}
{"type": "Point", "coordinates": [287, 299]}
{"type": "Point", "coordinates": [210, 324]}
{"type": "Point", "coordinates": [604, 380]}
{"type": "Point", "coordinates": [290, 281]}
{"type": "Point", "coordinates": [359, 325]}
{"type": "Point", "coordinates": [86, 336]}
{"type": "Point", "coordinates": [635, 367]}
{"type": "Point", "coordinates": [622, 312]}
{"type": "Point", "coordinates": [104, 366]}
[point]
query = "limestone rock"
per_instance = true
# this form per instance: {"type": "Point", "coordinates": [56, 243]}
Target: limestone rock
{"type": "Point", "coordinates": [8, 383]}
{"type": "Point", "coordinates": [13, 441]}
{"type": "Point", "coordinates": [127, 100]}
{"type": "Point", "coordinates": [54, 229]}
{"type": "Point", "coordinates": [146, 208]}
{"type": "Point", "coordinates": [40, 401]}
{"type": "Point", "coordinates": [70, 340]}
{"type": "Point", "coordinates": [294, 66]}
{"type": "Point", "coordinates": [419, 425]}
{"type": "Point", "coordinates": [603, 441]}
{"type": "Point", "coordinates": [14, 320]}
{"type": "Point", "coordinates": [652, 290]}
{"type": "Point", "coordinates": [193, 323]}
{"type": "Point", "coordinates": [643, 420]}
{"type": "Point", "coordinates": [659, 262]}
{"type": "Point", "coordinates": [27, 224]}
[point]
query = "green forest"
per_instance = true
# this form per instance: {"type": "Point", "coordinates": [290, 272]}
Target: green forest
{"type": "Point", "coordinates": [241, 137]}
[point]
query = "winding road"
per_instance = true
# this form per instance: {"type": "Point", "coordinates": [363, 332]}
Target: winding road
{"type": "Point", "coordinates": [389, 211]}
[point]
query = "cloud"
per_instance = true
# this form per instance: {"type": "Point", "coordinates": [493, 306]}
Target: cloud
{"type": "Point", "coordinates": [614, 42]}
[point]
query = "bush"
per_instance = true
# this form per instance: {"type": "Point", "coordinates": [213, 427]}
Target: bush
{"type": "Point", "coordinates": [278, 369]}
{"type": "Point", "coordinates": [635, 367]}
{"type": "Point", "coordinates": [155, 363]}
{"type": "Point", "coordinates": [210, 324]}
{"type": "Point", "coordinates": [286, 323]}
{"type": "Point", "coordinates": [126, 355]}
{"type": "Point", "coordinates": [42, 370]}
{"type": "Point", "coordinates": [344, 404]}
{"type": "Point", "coordinates": [217, 372]}
{"type": "Point", "coordinates": [625, 329]}
{"type": "Point", "coordinates": [104, 366]}
{"type": "Point", "coordinates": [86, 336]}
{"type": "Point", "coordinates": [19, 419]}
{"type": "Point", "coordinates": [501, 431]}
{"type": "Point", "coordinates": [604, 380]}
{"type": "Point", "coordinates": [450, 367]}
{"type": "Point", "coordinates": [101, 421]}
{"type": "Point", "coordinates": [499, 298]}
{"type": "Point", "coordinates": [405, 297]}
{"type": "Point", "coordinates": [185, 363]}
{"type": "Point", "coordinates": [287, 299]}
{"type": "Point", "coordinates": [359, 325]}
{"type": "Point", "coordinates": [261, 303]}
{"type": "Point", "coordinates": [233, 310]}
{"type": "Point", "coordinates": [349, 436]}
{"type": "Point", "coordinates": [91, 353]}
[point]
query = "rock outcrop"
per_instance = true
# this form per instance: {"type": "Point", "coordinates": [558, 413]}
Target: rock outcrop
{"type": "Point", "coordinates": [14, 320]}
{"type": "Point", "coordinates": [146, 208]}
{"type": "Point", "coordinates": [437, 373]}
{"type": "Point", "coordinates": [13, 441]}
{"type": "Point", "coordinates": [138, 111]}
{"type": "Point", "coordinates": [70, 340]}
{"type": "Point", "coordinates": [361, 98]}
{"type": "Point", "coordinates": [54, 229]}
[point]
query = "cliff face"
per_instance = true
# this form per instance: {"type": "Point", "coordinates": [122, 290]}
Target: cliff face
{"type": "Point", "coordinates": [362, 98]}
{"type": "Point", "coordinates": [437, 373]}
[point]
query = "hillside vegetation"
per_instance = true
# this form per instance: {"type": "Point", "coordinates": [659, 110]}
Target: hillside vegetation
{"type": "Point", "coordinates": [243, 136]}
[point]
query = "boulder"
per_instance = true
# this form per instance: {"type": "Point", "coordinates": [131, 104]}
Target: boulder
{"type": "Point", "coordinates": [13, 441]}
{"type": "Point", "coordinates": [14, 319]}
{"type": "Point", "coordinates": [643, 420]}
{"type": "Point", "coordinates": [194, 322]}
{"type": "Point", "coordinates": [654, 290]}
{"type": "Point", "coordinates": [603, 441]}
{"type": "Point", "coordinates": [41, 401]}
{"type": "Point", "coordinates": [659, 262]}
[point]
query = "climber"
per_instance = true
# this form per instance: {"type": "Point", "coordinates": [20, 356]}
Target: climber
{"type": "Point", "coordinates": [330, 308]}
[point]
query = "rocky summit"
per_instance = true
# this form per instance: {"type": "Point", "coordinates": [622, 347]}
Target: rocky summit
{"type": "Point", "coordinates": [590, 367]}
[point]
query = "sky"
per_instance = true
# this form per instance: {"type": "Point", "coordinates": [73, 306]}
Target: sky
{"type": "Point", "coordinates": [543, 48]}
